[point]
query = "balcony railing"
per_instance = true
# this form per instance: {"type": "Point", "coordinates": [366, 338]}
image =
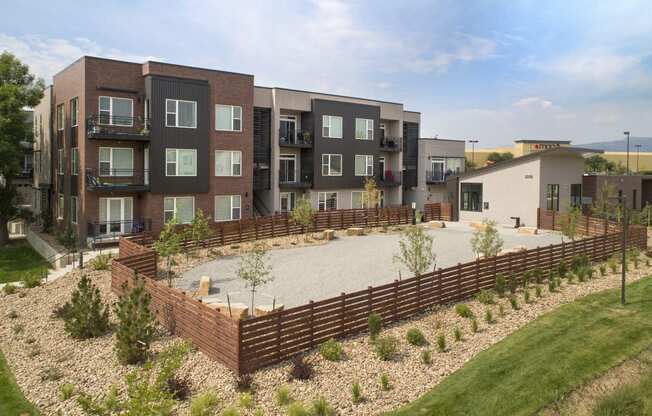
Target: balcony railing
{"type": "Point", "coordinates": [437, 176]}
{"type": "Point", "coordinates": [389, 178]}
{"type": "Point", "coordinates": [389, 144]}
{"type": "Point", "coordinates": [290, 138]}
{"type": "Point", "coordinates": [304, 180]}
{"type": "Point", "coordinates": [103, 126]}
{"type": "Point", "coordinates": [114, 229]}
{"type": "Point", "coordinates": [117, 179]}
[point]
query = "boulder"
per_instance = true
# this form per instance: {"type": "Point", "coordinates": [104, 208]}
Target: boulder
{"type": "Point", "coordinates": [437, 224]}
{"type": "Point", "coordinates": [478, 225]}
{"type": "Point", "coordinates": [262, 310]}
{"type": "Point", "coordinates": [528, 230]}
{"type": "Point", "coordinates": [238, 310]}
{"type": "Point", "coordinates": [355, 231]}
{"type": "Point", "coordinates": [329, 235]}
{"type": "Point", "coordinates": [204, 286]}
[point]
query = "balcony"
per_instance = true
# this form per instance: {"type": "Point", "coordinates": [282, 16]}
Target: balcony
{"type": "Point", "coordinates": [437, 176]}
{"type": "Point", "coordinates": [389, 178]}
{"type": "Point", "coordinates": [107, 230]}
{"type": "Point", "coordinates": [117, 180]}
{"type": "Point", "coordinates": [302, 182]}
{"type": "Point", "coordinates": [290, 138]}
{"type": "Point", "coordinates": [390, 144]}
{"type": "Point", "coordinates": [105, 127]}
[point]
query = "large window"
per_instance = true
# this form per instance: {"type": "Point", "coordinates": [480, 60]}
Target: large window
{"type": "Point", "coordinates": [60, 167]}
{"type": "Point", "coordinates": [358, 199]}
{"type": "Point", "coordinates": [228, 117]}
{"type": "Point", "coordinates": [288, 200]}
{"type": "Point", "coordinates": [73, 209]}
{"type": "Point", "coordinates": [471, 195]}
{"type": "Point", "coordinates": [181, 208]}
{"type": "Point", "coordinates": [74, 112]}
{"type": "Point", "coordinates": [552, 197]}
{"type": "Point", "coordinates": [287, 168]}
{"type": "Point", "coordinates": [364, 129]}
{"type": "Point", "coordinates": [116, 111]}
{"type": "Point", "coordinates": [576, 195]}
{"type": "Point", "coordinates": [228, 163]}
{"type": "Point", "coordinates": [327, 200]}
{"type": "Point", "coordinates": [332, 126]}
{"type": "Point", "coordinates": [60, 207]}
{"type": "Point", "coordinates": [74, 160]}
{"type": "Point", "coordinates": [60, 117]}
{"type": "Point", "coordinates": [181, 162]}
{"type": "Point", "coordinates": [331, 165]}
{"type": "Point", "coordinates": [180, 113]}
{"type": "Point", "coordinates": [364, 165]}
{"type": "Point", "coordinates": [116, 161]}
{"type": "Point", "coordinates": [116, 215]}
{"type": "Point", "coordinates": [227, 207]}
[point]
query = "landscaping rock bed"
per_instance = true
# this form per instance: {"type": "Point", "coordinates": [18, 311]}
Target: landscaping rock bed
{"type": "Point", "coordinates": [92, 366]}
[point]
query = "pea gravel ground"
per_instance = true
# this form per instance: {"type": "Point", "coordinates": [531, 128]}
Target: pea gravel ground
{"type": "Point", "coordinates": [345, 264]}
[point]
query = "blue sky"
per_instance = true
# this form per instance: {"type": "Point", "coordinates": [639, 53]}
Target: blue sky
{"type": "Point", "coordinates": [487, 70]}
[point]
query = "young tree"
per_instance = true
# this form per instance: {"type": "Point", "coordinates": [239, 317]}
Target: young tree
{"type": "Point", "coordinates": [415, 250]}
{"type": "Point", "coordinates": [18, 89]}
{"type": "Point", "coordinates": [569, 223]}
{"type": "Point", "coordinates": [303, 214]}
{"type": "Point", "coordinates": [486, 241]}
{"type": "Point", "coordinates": [371, 193]}
{"type": "Point", "coordinates": [136, 324]}
{"type": "Point", "coordinates": [254, 270]}
{"type": "Point", "coordinates": [85, 315]}
{"type": "Point", "coordinates": [199, 228]}
{"type": "Point", "coordinates": [605, 203]}
{"type": "Point", "coordinates": [168, 244]}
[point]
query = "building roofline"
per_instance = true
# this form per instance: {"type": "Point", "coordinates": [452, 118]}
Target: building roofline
{"type": "Point", "coordinates": [200, 68]}
{"type": "Point", "coordinates": [329, 94]}
{"type": "Point", "coordinates": [527, 157]}
{"type": "Point", "coordinates": [442, 140]}
{"type": "Point", "coordinates": [542, 141]}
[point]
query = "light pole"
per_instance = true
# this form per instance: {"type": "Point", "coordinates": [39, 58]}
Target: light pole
{"type": "Point", "coordinates": [627, 134]}
{"type": "Point", "coordinates": [623, 246]}
{"type": "Point", "coordinates": [638, 149]}
{"type": "Point", "coordinates": [473, 142]}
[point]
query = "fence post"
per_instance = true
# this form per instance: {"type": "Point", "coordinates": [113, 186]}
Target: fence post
{"type": "Point", "coordinates": [418, 292]}
{"type": "Point", "coordinates": [273, 221]}
{"type": "Point", "coordinates": [342, 313]}
{"type": "Point", "coordinates": [240, 230]}
{"type": "Point", "coordinates": [312, 326]}
{"type": "Point", "coordinates": [256, 227]}
{"type": "Point", "coordinates": [395, 299]}
{"type": "Point", "coordinates": [222, 233]}
{"type": "Point", "coordinates": [278, 334]}
{"type": "Point", "coordinates": [538, 217]}
{"type": "Point", "coordinates": [563, 251]}
{"type": "Point", "coordinates": [439, 294]}
{"type": "Point", "coordinates": [370, 299]}
{"type": "Point", "coordinates": [459, 278]}
{"type": "Point", "coordinates": [342, 219]}
{"type": "Point", "coordinates": [553, 220]}
{"type": "Point", "coordinates": [477, 274]}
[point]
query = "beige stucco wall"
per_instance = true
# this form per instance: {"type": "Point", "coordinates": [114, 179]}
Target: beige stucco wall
{"type": "Point", "coordinates": [563, 170]}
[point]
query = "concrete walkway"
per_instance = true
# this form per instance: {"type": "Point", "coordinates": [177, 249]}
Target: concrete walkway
{"type": "Point", "coordinates": [346, 264]}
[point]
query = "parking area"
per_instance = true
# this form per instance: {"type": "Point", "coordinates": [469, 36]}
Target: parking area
{"type": "Point", "coordinates": [345, 264]}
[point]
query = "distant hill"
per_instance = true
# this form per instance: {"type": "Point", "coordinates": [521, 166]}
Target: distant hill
{"type": "Point", "coordinates": [621, 145]}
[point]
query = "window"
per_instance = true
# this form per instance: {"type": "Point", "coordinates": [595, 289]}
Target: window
{"type": "Point", "coordinates": [116, 216]}
{"type": "Point", "coordinates": [327, 200]}
{"type": "Point", "coordinates": [60, 162]}
{"type": "Point", "coordinates": [471, 194]}
{"type": "Point", "coordinates": [364, 165]}
{"type": "Point", "coordinates": [288, 200]}
{"type": "Point", "coordinates": [60, 207]}
{"type": "Point", "coordinates": [116, 111]}
{"type": "Point", "coordinates": [287, 168]}
{"type": "Point", "coordinates": [179, 113]}
{"type": "Point", "coordinates": [116, 161]}
{"type": "Point", "coordinates": [74, 160]}
{"type": "Point", "coordinates": [60, 117]}
{"type": "Point", "coordinates": [331, 165]}
{"type": "Point", "coordinates": [73, 209]}
{"type": "Point", "coordinates": [576, 195]}
{"type": "Point", "coordinates": [74, 111]}
{"type": "Point", "coordinates": [227, 207]}
{"type": "Point", "coordinates": [228, 117]}
{"type": "Point", "coordinates": [332, 126]}
{"type": "Point", "coordinates": [358, 199]}
{"type": "Point", "coordinates": [228, 163]}
{"type": "Point", "coordinates": [181, 162]}
{"type": "Point", "coordinates": [183, 208]}
{"type": "Point", "coordinates": [364, 129]}
{"type": "Point", "coordinates": [634, 199]}
{"type": "Point", "coordinates": [552, 197]}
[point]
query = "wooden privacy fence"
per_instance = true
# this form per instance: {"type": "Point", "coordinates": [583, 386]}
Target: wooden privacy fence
{"type": "Point", "coordinates": [250, 344]}
{"type": "Point", "coordinates": [586, 224]}
{"type": "Point", "coordinates": [438, 211]}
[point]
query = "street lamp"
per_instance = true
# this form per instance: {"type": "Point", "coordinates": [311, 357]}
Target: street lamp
{"type": "Point", "coordinates": [473, 142]}
{"type": "Point", "coordinates": [638, 149]}
{"type": "Point", "coordinates": [627, 134]}
{"type": "Point", "coordinates": [622, 201]}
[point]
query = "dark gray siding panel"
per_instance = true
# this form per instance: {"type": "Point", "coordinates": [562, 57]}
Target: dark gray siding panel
{"type": "Point", "coordinates": [410, 153]}
{"type": "Point", "coordinates": [159, 89]}
{"type": "Point", "coordinates": [348, 146]}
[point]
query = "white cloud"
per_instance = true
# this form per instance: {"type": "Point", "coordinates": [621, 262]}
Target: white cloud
{"type": "Point", "coordinates": [462, 48]}
{"type": "Point", "coordinates": [534, 103]}
{"type": "Point", "coordinates": [47, 56]}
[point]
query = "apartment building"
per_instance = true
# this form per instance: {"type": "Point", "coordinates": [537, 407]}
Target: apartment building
{"type": "Point", "coordinates": [137, 144]}
{"type": "Point", "coordinates": [323, 146]}
{"type": "Point", "coordinates": [42, 153]}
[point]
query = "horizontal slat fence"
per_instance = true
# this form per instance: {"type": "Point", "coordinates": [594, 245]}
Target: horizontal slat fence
{"type": "Point", "coordinates": [438, 211]}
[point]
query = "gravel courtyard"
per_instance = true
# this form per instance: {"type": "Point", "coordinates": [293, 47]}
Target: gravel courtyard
{"type": "Point", "coordinates": [345, 264]}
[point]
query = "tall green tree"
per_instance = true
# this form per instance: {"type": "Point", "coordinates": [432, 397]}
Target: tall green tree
{"type": "Point", "coordinates": [18, 89]}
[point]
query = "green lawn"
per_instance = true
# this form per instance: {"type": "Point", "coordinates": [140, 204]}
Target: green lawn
{"type": "Point", "coordinates": [17, 259]}
{"type": "Point", "coordinates": [12, 401]}
{"type": "Point", "coordinates": [547, 358]}
{"type": "Point", "coordinates": [630, 400]}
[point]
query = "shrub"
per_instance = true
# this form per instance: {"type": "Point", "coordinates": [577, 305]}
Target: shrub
{"type": "Point", "coordinates": [612, 262]}
{"type": "Point", "coordinates": [320, 407]}
{"type": "Point", "coordinates": [457, 334]}
{"type": "Point", "coordinates": [538, 275]}
{"type": "Point", "coordinates": [12, 314]}
{"type": "Point", "coordinates": [244, 382]}
{"type": "Point", "coordinates": [603, 270]}
{"type": "Point", "coordinates": [463, 310]}
{"type": "Point", "coordinates": [570, 277]}
{"type": "Point", "coordinates": [581, 275]}
{"type": "Point", "coordinates": [297, 409]}
{"type": "Point", "coordinates": [527, 276]}
{"type": "Point", "coordinates": [501, 310]}
{"type": "Point", "coordinates": [31, 280]}
{"type": "Point", "coordinates": [375, 322]}
{"type": "Point", "coordinates": [101, 262]}
{"type": "Point", "coordinates": [579, 262]}
{"type": "Point", "coordinates": [66, 391]}
{"type": "Point", "coordinates": [488, 316]}
{"type": "Point", "coordinates": [17, 328]}
{"type": "Point", "coordinates": [356, 393]}
{"type": "Point", "coordinates": [283, 396]}
{"type": "Point", "coordinates": [426, 357]}
{"type": "Point", "coordinates": [33, 351]}
{"type": "Point", "coordinates": [135, 329]}
{"type": "Point", "coordinates": [384, 382]}
{"type": "Point", "coordinates": [331, 350]}
{"type": "Point", "coordinates": [562, 269]}
{"type": "Point", "coordinates": [551, 274]}
{"type": "Point", "coordinates": [513, 302]}
{"type": "Point", "coordinates": [551, 286]}
{"type": "Point", "coordinates": [590, 272]}
{"type": "Point", "coordinates": [85, 315]}
{"type": "Point", "coordinates": [415, 337]}
{"type": "Point", "coordinates": [500, 285]}
{"type": "Point", "coordinates": [301, 368]}
{"type": "Point", "coordinates": [474, 325]}
{"type": "Point", "coordinates": [647, 262]}
{"type": "Point", "coordinates": [386, 347]}
{"type": "Point", "coordinates": [179, 388]}
{"type": "Point", "coordinates": [230, 411]}
{"type": "Point", "coordinates": [441, 343]}
{"type": "Point", "coordinates": [246, 400]}
{"type": "Point", "coordinates": [526, 296]}
{"type": "Point", "coordinates": [50, 374]}
{"type": "Point", "coordinates": [538, 292]}
{"type": "Point", "coordinates": [30, 340]}
{"type": "Point", "coordinates": [485, 296]}
{"type": "Point", "coordinates": [513, 284]}
{"type": "Point", "coordinates": [9, 289]}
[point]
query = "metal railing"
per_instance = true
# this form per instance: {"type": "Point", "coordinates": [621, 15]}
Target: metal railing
{"type": "Point", "coordinates": [110, 126]}
{"type": "Point", "coordinates": [116, 179]}
{"type": "Point", "coordinates": [293, 138]}
{"type": "Point", "coordinates": [302, 180]}
{"type": "Point", "coordinates": [114, 229]}
{"type": "Point", "coordinates": [437, 176]}
{"type": "Point", "coordinates": [390, 144]}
